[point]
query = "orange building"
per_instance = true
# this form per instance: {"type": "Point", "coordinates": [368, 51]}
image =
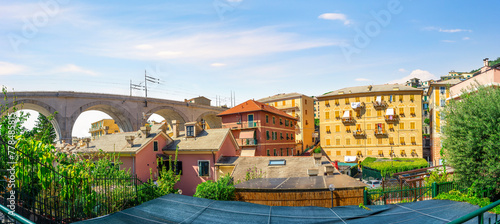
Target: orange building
{"type": "Point", "coordinates": [260, 129]}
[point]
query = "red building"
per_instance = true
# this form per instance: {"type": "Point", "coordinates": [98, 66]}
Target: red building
{"type": "Point", "coordinates": [261, 130]}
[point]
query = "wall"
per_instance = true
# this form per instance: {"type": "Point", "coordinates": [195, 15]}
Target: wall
{"type": "Point", "coordinates": [228, 148]}
{"type": "Point", "coordinates": [341, 197]}
{"type": "Point", "coordinates": [189, 178]}
{"type": "Point", "coordinates": [146, 159]}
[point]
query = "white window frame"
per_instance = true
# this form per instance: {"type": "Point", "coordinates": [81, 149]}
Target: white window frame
{"type": "Point", "coordinates": [208, 167]}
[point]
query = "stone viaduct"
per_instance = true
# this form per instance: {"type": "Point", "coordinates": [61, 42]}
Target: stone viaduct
{"type": "Point", "coordinates": [129, 113]}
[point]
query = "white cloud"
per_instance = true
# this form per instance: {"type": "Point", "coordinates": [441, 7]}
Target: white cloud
{"type": "Point", "coordinates": [448, 41]}
{"type": "Point", "coordinates": [335, 16]}
{"type": "Point", "coordinates": [217, 64]}
{"type": "Point", "coordinates": [431, 28]}
{"type": "Point", "coordinates": [402, 70]}
{"type": "Point", "coordinates": [168, 53]}
{"type": "Point", "coordinates": [7, 68]}
{"type": "Point", "coordinates": [143, 47]}
{"type": "Point", "coordinates": [466, 38]}
{"type": "Point", "coordinates": [362, 80]}
{"type": "Point", "coordinates": [417, 73]}
{"type": "Point", "coordinates": [234, 0]}
{"type": "Point", "coordinates": [71, 68]}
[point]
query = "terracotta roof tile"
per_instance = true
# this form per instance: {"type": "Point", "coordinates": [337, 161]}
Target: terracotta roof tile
{"type": "Point", "coordinates": [252, 105]}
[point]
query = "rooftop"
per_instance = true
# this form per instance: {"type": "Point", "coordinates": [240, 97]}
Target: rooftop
{"type": "Point", "coordinates": [340, 181]}
{"type": "Point", "coordinates": [206, 140]}
{"type": "Point", "coordinates": [366, 89]}
{"type": "Point", "coordinates": [252, 105]}
{"type": "Point", "coordinates": [447, 82]}
{"type": "Point", "coordinates": [280, 96]}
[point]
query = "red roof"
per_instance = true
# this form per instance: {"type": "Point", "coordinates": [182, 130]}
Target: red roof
{"type": "Point", "coordinates": [252, 105]}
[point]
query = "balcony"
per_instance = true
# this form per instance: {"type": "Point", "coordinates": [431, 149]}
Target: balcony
{"type": "Point", "coordinates": [358, 133]}
{"type": "Point", "coordinates": [380, 104]}
{"type": "Point", "coordinates": [242, 125]}
{"type": "Point", "coordinates": [357, 105]}
{"type": "Point", "coordinates": [348, 120]}
{"type": "Point", "coordinates": [391, 118]}
{"type": "Point", "coordinates": [380, 133]}
{"type": "Point", "coordinates": [247, 142]}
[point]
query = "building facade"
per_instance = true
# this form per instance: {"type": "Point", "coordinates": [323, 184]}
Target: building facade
{"type": "Point", "coordinates": [438, 93]}
{"type": "Point", "coordinates": [260, 129]}
{"type": "Point", "coordinates": [299, 106]}
{"type": "Point", "coordinates": [371, 121]}
{"type": "Point", "coordinates": [103, 127]}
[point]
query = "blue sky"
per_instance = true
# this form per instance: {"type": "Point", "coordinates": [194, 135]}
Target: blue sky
{"type": "Point", "coordinates": [255, 48]}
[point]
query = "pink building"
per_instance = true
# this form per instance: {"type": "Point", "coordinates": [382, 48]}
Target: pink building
{"type": "Point", "coordinates": [138, 151]}
{"type": "Point", "coordinates": [487, 76]}
{"type": "Point", "coordinates": [198, 150]}
{"type": "Point", "coordinates": [260, 129]}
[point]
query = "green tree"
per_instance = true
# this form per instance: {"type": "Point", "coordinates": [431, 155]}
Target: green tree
{"type": "Point", "coordinates": [222, 189]}
{"type": "Point", "coordinates": [43, 130]}
{"type": "Point", "coordinates": [471, 139]}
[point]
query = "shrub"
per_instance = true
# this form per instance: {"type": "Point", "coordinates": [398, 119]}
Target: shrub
{"type": "Point", "coordinates": [317, 150]}
{"type": "Point", "coordinates": [222, 189]}
{"type": "Point", "coordinates": [387, 167]}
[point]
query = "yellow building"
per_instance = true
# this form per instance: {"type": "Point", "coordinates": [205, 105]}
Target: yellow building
{"type": "Point", "coordinates": [301, 107]}
{"type": "Point", "coordinates": [438, 93]}
{"type": "Point", "coordinates": [374, 121]}
{"type": "Point", "coordinates": [103, 127]}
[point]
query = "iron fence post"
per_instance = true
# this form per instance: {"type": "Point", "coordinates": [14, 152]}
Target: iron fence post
{"type": "Point", "coordinates": [365, 197]}
{"type": "Point", "coordinates": [434, 189]}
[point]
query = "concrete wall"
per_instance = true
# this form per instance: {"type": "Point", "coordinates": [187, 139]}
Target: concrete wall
{"type": "Point", "coordinates": [146, 159]}
{"type": "Point", "coordinates": [189, 178]}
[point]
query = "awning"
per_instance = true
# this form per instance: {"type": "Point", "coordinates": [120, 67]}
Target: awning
{"type": "Point", "coordinates": [248, 152]}
{"type": "Point", "coordinates": [379, 99]}
{"type": "Point", "coordinates": [355, 105]}
{"type": "Point", "coordinates": [389, 112]}
{"type": "Point", "coordinates": [346, 114]}
{"type": "Point", "coordinates": [349, 158]}
{"type": "Point", "coordinates": [247, 134]}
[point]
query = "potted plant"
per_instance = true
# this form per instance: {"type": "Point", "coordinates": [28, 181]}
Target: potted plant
{"type": "Point", "coordinates": [317, 153]}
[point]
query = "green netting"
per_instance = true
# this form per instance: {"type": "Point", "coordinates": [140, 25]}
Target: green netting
{"type": "Point", "coordinates": [174, 208]}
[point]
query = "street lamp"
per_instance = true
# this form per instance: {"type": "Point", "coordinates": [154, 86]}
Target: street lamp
{"type": "Point", "coordinates": [331, 187]}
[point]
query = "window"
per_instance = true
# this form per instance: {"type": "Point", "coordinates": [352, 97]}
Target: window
{"type": "Point", "coordinates": [337, 141]}
{"type": "Point", "coordinates": [348, 141]}
{"type": "Point", "coordinates": [357, 99]}
{"type": "Point", "coordinates": [267, 135]}
{"type": "Point", "coordinates": [347, 101]}
{"type": "Point", "coordinates": [380, 152]}
{"type": "Point", "coordinates": [379, 113]}
{"type": "Point", "coordinates": [337, 114]}
{"type": "Point", "coordinates": [155, 146]}
{"type": "Point", "coordinates": [369, 152]}
{"type": "Point", "coordinates": [274, 120]}
{"type": "Point", "coordinates": [348, 153]}
{"type": "Point", "coordinates": [281, 121]}
{"type": "Point", "coordinates": [443, 103]}
{"type": "Point", "coordinates": [412, 110]}
{"type": "Point", "coordinates": [368, 112]}
{"type": "Point", "coordinates": [391, 140]}
{"type": "Point", "coordinates": [174, 166]}
{"type": "Point", "coordinates": [369, 141]}
{"type": "Point", "coordinates": [327, 103]}
{"type": "Point", "coordinates": [268, 153]}
{"type": "Point", "coordinates": [412, 97]}
{"type": "Point", "coordinates": [327, 129]}
{"type": "Point", "coordinates": [287, 152]}
{"type": "Point", "coordinates": [287, 137]}
{"type": "Point", "coordinates": [358, 141]}
{"type": "Point", "coordinates": [281, 135]}
{"type": "Point", "coordinates": [401, 111]}
{"type": "Point", "coordinates": [339, 153]}
{"type": "Point", "coordinates": [327, 141]}
{"type": "Point", "coordinates": [401, 98]}
{"type": "Point", "coordinates": [413, 141]}
{"type": "Point", "coordinates": [402, 126]}
{"type": "Point", "coordinates": [293, 113]}
{"type": "Point", "coordinates": [267, 118]}
{"type": "Point", "coordinates": [358, 113]}
{"type": "Point", "coordinates": [275, 104]}
{"type": "Point", "coordinates": [305, 102]}
{"type": "Point", "coordinates": [337, 128]}
{"type": "Point", "coordinates": [380, 141]}
{"type": "Point", "coordinates": [281, 152]}
{"type": "Point", "coordinates": [337, 102]}
{"type": "Point", "coordinates": [347, 128]}
{"type": "Point", "coordinates": [327, 115]}
{"type": "Point", "coordinates": [203, 168]}
{"type": "Point", "coordinates": [402, 140]}
{"type": "Point", "coordinates": [284, 103]}
{"type": "Point", "coordinates": [368, 126]}
{"type": "Point", "coordinates": [189, 130]}
{"type": "Point", "coordinates": [286, 123]}
{"type": "Point", "coordinates": [293, 102]}
{"type": "Point", "coordinates": [442, 89]}
{"type": "Point", "coordinates": [274, 152]}
{"type": "Point", "coordinates": [280, 162]}
{"type": "Point", "coordinates": [412, 125]}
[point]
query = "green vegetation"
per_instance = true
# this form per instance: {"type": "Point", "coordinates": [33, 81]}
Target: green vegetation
{"type": "Point", "coordinates": [317, 150]}
{"type": "Point", "coordinates": [222, 189]}
{"type": "Point", "coordinates": [427, 121]}
{"type": "Point", "coordinates": [43, 130]}
{"type": "Point", "coordinates": [316, 122]}
{"type": "Point", "coordinates": [361, 205]}
{"type": "Point", "coordinates": [470, 140]}
{"type": "Point", "coordinates": [253, 173]}
{"type": "Point", "coordinates": [438, 176]}
{"type": "Point", "coordinates": [469, 197]}
{"type": "Point", "coordinates": [492, 63]}
{"type": "Point", "coordinates": [387, 167]}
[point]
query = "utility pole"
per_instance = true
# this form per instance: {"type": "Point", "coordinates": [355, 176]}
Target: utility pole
{"type": "Point", "coordinates": [134, 86]}
{"type": "Point", "coordinates": [146, 80]}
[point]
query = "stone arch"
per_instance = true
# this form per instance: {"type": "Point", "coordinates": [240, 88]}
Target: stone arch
{"type": "Point", "coordinates": [211, 119]}
{"type": "Point", "coordinates": [42, 108]}
{"type": "Point", "coordinates": [169, 114]}
{"type": "Point", "coordinates": [120, 115]}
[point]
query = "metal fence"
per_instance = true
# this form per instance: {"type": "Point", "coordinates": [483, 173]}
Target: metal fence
{"type": "Point", "coordinates": [63, 198]}
{"type": "Point", "coordinates": [402, 194]}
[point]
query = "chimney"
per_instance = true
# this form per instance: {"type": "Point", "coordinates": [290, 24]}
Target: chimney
{"type": "Point", "coordinates": [175, 128]}
{"type": "Point", "coordinates": [486, 62]}
{"type": "Point", "coordinates": [130, 140]}
{"type": "Point", "coordinates": [86, 141]}
{"type": "Point", "coordinates": [145, 130]}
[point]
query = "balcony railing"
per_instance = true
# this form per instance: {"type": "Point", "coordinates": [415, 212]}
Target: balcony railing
{"type": "Point", "coordinates": [380, 132]}
{"type": "Point", "coordinates": [391, 118]}
{"type": "Point", "coordinates": [242, 125]}
{"type": "Point", "coordinates": [378, 105]}
{"type": "Point", "coordinates": [348, 120]}
{"type": "Point", "coordinates": [247, 142]}
{"type": "Point", "coordinates": [358, 133]}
